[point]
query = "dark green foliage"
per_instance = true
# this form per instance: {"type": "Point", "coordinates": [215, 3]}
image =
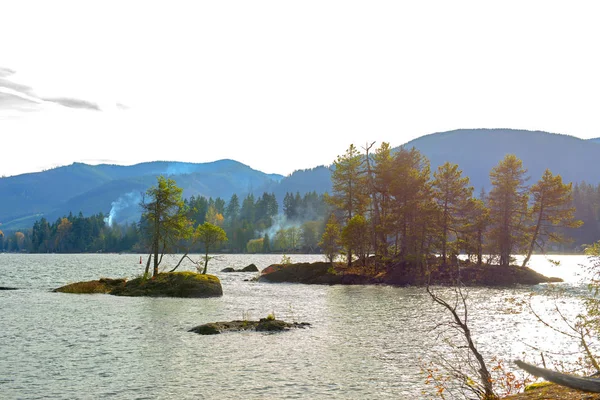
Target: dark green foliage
{"type": "Point", "coordinates": [53, 193]}
{"type": "Point", "coordinates": [80, 234]}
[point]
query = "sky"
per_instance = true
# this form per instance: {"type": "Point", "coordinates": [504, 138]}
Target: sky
{"type": "Point", "coordinates": [283, 85]}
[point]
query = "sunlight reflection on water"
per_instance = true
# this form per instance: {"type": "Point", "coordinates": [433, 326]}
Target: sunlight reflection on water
{"type": "Point", "coordinates": [365, 341]}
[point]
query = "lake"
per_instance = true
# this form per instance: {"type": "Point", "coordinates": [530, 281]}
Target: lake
{"type": "Point", "coordinates": [365, 342]}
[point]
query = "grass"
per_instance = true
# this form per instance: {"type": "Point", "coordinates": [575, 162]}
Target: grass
{"type": "Point", "coordinates": [550, 391]}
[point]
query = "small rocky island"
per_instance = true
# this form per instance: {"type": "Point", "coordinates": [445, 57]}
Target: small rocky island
{"type": "Point", "coordinates": [269, 324]}
{"type": "Point", "coordinates": [401, 274]}
{"type": "Point", "coordinates": [169, 284]}
{"type": "Point", "coordinates": [249, 268]}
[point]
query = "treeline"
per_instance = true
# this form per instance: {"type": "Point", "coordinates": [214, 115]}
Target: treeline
{"type": "Point", "coordinates": [391, 205]}
{"type": "Point", "coordinates": [73, 234]}
{"type": "Point", "coordinates": [252, 224]}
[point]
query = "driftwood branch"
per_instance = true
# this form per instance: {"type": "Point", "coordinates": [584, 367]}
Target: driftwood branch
{"type": "Point", "coordinates": [591, 385]}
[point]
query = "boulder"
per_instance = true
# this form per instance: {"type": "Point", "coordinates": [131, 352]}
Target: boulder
{"type": "Point", "coordinates": [249, 268]}
{"type": "Point", "coordinates": [310, 273]}
{"type": "Point", "coordinates": [228, 269]}
{"type": "Point", "coordinates": [262, 325]}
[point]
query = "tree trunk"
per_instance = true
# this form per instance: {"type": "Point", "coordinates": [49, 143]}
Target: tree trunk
{"type": "Point", "coordinates": [155, 269]}
{"type": "Point", "coordinates": [484, 374]}
{"type": "Point", "coordinates": [205, 261]}
{"type": "Point", "coordinates": [180, 261]}
{"type": "Point", "coordinates": [148, 265]}
{"type": "Point", "coordinates": [535, 235]}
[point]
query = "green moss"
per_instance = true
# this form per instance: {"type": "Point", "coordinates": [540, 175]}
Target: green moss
{"type": "Point", "coordinates": [171, 284]}
{"type": "Point", "coordinates": [103, 285]}
{"type": "Point", "coordinates": [538, 385]}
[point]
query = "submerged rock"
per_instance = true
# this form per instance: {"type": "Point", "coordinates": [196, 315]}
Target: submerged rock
{"type": "Point", "coordinates": [262, 325]}
{"type": "Point", "coordinates": [169, 284]}
{"type": "Point", "coordinates": [8, 288]}
{"type": "Point", "coordinates": [249, 268]}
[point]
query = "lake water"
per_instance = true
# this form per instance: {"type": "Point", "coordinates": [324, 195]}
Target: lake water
{"type": "Point", "coordinates": [365, 342]}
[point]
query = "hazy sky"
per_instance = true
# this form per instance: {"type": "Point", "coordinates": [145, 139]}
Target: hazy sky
{"type": "Point", "coordinates": [282, 85]}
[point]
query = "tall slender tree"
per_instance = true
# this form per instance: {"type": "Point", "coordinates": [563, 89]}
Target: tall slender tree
{"type": "Point", "coordinates": [412, 205]}
{"type": "Point", "coordinates": [508, 208]}
{"type": "Point", "coordinates": [163, 220]}
{"type": "Point", "coordinates": [552, 208]}
{"type": "Point", "coordinates": [451, 192]}
{"type": "Point", "coordinates": [382, 180]}
{"type": "Point", "coordinates": [349, 193]}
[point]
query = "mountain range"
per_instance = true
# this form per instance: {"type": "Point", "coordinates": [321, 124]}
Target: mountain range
{"type": "Point", "coordinates": [118, 189]}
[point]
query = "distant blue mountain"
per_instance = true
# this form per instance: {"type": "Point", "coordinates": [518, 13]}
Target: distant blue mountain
{"type": "Point", "coordinates": [95, 188]}
{"type": "Point", "coordinates": [91, 189]}
{"type": "Point", "coordinates": [477, 151]}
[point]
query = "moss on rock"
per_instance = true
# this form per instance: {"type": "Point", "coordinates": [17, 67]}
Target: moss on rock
{"type": "Point", "coordinates": [169, 284]}
{"type": "Point", "coordinates": [102, 285]}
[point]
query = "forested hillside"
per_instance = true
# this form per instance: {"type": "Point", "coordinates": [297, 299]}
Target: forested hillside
{"type": "Point", "coordinates": [478, 150]}
{"type": "Point", "coordinates": [91, 189]}
{"type": "Point", "coordinates": [115, 191]}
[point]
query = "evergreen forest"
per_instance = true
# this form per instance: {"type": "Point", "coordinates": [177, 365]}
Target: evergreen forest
{"type": "Point", "coordinates": [385, 202]}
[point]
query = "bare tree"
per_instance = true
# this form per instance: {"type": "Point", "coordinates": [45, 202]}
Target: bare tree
{"type": "Point", "coordinates": [483, 386]}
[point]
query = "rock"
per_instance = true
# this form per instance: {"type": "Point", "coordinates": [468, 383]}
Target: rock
{"type": "Point", "coordinates": [263, 325]}
{"type": "Point", "coordinates": [228, 269]}
{"type": "Point", "coordinates": [102, 285]}
{"type": "Point", "coordinates": [8, 288]}
{"type": "Point", "coordinates": [271, 325]}
{"type": "Point", "coordinates": [310, 273]}
{"type": "Point", "coordinates": [207, 329]}
{"type": "Point", "coordinates": [402, 274]}
{"type": "Point", "coordinates": [249, 268]}
{"type": "Point", "coordinates": [169, 284]}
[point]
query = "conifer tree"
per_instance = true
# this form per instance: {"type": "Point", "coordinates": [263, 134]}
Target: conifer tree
{"type": "Point", "coordinates": [383, 176]}
{"type": "Point", "coordinates": [355, 237]}
{"type": "Point", "coordinates": [412, 204]}
{"type": "Point", "coordinates": [349, 193]}
{"type": "Point", "coordinates": [451, 192]}
{"type": "Point", "coordinates": [508, 208]}
{"type": "Point", "coordinates": [551, 209]}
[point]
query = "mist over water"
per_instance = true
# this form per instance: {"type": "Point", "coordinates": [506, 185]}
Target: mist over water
{"type": "Point", "coordinates": [365, 342]}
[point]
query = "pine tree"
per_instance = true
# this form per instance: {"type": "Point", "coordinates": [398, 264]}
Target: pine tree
{"type": "Point", "coordinates": [383, 176]}
{"type": "Point", "coordinates": [349, 193]}
{"type": "Point", "coordinates": [508, 208]}
{"type": "Point", "coordinates": [413, 209]}
{"type": "Point", "coordinates": [451, 192]}
{"type": "Point", "coordinates": [551, 209]}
